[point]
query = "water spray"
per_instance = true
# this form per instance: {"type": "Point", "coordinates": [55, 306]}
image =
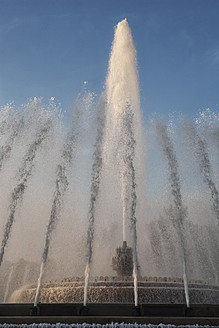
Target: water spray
{"type": "Point", "coordinates": [8, 283]}
{"type": "Point", "coordinates": [200, 148]}
{"type": "Point", "coordinates": [206, 170]}
{"type": "Point", "coordinates": [94, 191]}
{"type": "Point", "coordinates": [6, 150]}
{"type": "Point", "coordinates": [169, 152]}
{"type": "Point", "coordinates": [123, 116]}
{"type": "Point", "coordinates": [61, 185]}
{"type": "Point", "coordinates": [25, 173]}
{"type": "Point", "coordinates": [129, 184]}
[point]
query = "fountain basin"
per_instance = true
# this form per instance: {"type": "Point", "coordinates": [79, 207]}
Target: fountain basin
{"type": "Point", "coordinates": [119, 291]}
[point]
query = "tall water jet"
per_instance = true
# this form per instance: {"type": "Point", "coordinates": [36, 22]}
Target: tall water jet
{"type": "Point", "coordinates": [180, 211]}
{"type": "Point", "coordinates": [24, 176]}
{"type": "Point", "coordinates": [123, 126]}
{"type": "Point", "coordinates": [61, 185]}
{"type": "Point", "coordinates": [94, 191]}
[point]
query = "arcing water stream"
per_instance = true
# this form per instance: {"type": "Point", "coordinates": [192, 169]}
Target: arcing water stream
{"type": "Point", "coordinates": [61, 185]}
{"type": "Point", "coordinates": [6, 150]}
{"type": "Point", "coordinates": [95, 184]}
{"type": "Point", "coordinates": [199, 144]}
{"type": "Point", "coordinates": [24, 176]}
{"type": "Point", "coordinates": [177, 198]}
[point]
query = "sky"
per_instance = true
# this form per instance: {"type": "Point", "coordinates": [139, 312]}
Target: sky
{"type": "Point", "coordinates": [48, 48]}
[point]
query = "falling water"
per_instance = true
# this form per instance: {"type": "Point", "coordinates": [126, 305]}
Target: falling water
{"type": "Point", "coordinates": [122, 118]}
{"type": "Point", "coordinates": [95, 183]}
{"type": "Point", "coordinates": [128, 183]}
{"type": "Point", "coordinates": [61, 185]}
{"type": "Point", "coordinates": [169, 152]}
{"type": "Point", "coordinates": [6, 150]}
{"type": "Point", "coordinates": [8, 284]}
{"type": "Point", "coordinates": [7, 118]}
{"type": "Point", "coordinates": [201, 151]}
{"type": "Point", "coordinates": [24, 176]}
{"type": "Point", "coordinates": [205, 169]}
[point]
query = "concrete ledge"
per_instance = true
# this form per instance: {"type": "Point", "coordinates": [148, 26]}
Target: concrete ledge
{"type": "Point", "coordinates": [108, 309]}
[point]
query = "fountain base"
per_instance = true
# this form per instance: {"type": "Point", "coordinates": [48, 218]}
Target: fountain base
{"type": "Point", "coordinates": [119, 290]}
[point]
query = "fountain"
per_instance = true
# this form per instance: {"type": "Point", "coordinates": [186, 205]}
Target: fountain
{"type": "Point", "coordinates": [71, 195]}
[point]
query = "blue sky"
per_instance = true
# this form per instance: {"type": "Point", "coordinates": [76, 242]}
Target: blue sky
{"type": "Point", "coordinates": [50, 47]}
